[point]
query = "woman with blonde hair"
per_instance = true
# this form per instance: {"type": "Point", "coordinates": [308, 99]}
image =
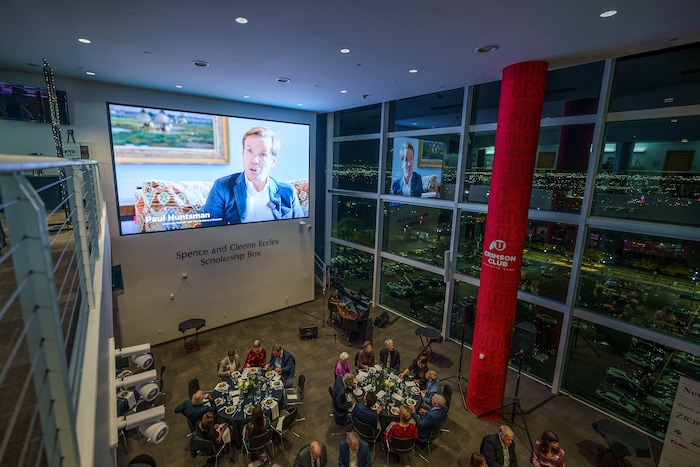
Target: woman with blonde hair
{"type": "Point", "coordinates": [404, 428]}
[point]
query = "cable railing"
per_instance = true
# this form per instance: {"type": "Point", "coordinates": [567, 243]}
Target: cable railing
{"type": "Point", "coordinates": [50, 230]}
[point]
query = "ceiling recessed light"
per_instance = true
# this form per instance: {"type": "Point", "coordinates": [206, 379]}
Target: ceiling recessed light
{"type": "Point", "coordinates": [200, 63]}
{"type": "Point", "coordinates": [246, 97]}
{"type": "Point", "coordinates": [608, 14]}
{"type": "Point", "coordinates": [300, 105]}
{"type": "Point", "coordinates": [413, 70]}
{"type": "Point", "coordinates": [484, 49]}
{"type": "Point", "coordinates": [241, 20]}
{"type": "Point", "coordinates": [344, 51]}
{"type": "Point", "coordinates": [90, 73]}
{"type": "Point", "coordinates": [82, 40]}
{"type": "Point", "coordinates": [179, 86]}
{"type": "Point", "coordinates": [282, 79]}
{"type": "Point", "coordinates": [343, 91]}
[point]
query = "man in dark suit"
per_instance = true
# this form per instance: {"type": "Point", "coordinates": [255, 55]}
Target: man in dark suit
{"type": "Point", "coordinates": [427, 419]}
{"type": "Point", "coordinates": [343, 400]}
{"type": "Point", "coordinates": [313, 455]}
{"type": "Point", "coordinates": [495, 447]}
{"type": "Point", "coordinates": [354, 448]}
{"type": "Point", "coordinates": [283, 363]}
{"type": "Point", "coordinates": [389, 357]}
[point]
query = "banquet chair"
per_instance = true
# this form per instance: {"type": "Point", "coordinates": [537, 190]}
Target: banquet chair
{"type": "Point", "coordinates": [332, 414]}
{"type": "Point", "coordinates": [434, 433]}
{"type": "Point", "coordinates": [401, 446]}
{"type": "Point", "coordinates": [447, 392]}
{"type": "Point", "coordinates": [296, 393]}
{"type": "Point", "coordinates": [367, 432]}
{"type": "Point", "coordinates": [204, 447]}
{"type": "Point", "coordinates": [288, 420]}
{"type": "Point", "coordinates": [192, 387]}
{"type": "Point", "coordinates": [257, 444]}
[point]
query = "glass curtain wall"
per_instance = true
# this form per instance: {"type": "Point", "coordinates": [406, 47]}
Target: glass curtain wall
{"type": "Point", "coordinates": [612, 249]}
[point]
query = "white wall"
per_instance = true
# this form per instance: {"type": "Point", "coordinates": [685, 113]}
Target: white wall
{"type": "Point", "coordinates": [280, 275]}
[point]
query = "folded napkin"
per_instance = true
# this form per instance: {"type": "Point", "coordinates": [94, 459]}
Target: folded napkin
{"type": "Point", "coordinates": [367, 388]}
{"type": "Point", "coordinates": [235, 400]}
{"type": "Point", "coordinates": [410, 384]}
{"type": "Point", "coordinates": [234, 393]}
{"type": "Point", "coordinates": [277, 377]}
{"type": "Point", "coordinates": [381, 394]}
{"type": "Point", "coordinates": [397, 397]}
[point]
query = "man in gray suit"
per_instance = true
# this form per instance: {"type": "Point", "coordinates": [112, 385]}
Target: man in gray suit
{"type": "Point", "coordinates": [313, 455]}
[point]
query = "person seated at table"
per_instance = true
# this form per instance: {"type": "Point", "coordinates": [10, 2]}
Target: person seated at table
{"type": "Point", "coordinates": [256, 355]}
{"type": "Point", "coordinates": [418, 368]}
{"type": "Point", "coordinates": [259, 424]}
{"type": "Point", "coordinates": [365, 357]}
{"type": "Point", "coordinates": [195, 408]}
{"type": "Point", "coordinates": [312, 455]}
{"type": "Point", "coordinates": [343, 399]}
{"type": "Point", "coordinates": [354, 452]}
{"type": "Point", "coordinates": [405, 428]}
{"type": "Point", "coordinates": [343, 365]}
{"type": "Point", "coordinates": [432, 387]}
{"type": "Point", "coordinates": [477, 460]}
{"type": "Point", "coordinates": [219, 434]}
{"type": "Point", "coordinates": [547, 452]}
{"type": "Point", "coordinates": [364, 411]}
{"type": "Point", "coordinates": [389, 357]}
{"type": "Point", "coordinates": [229, 364]}
{"type": "Point", "coordinates": [427, 419]}
{"type": "Point", "coordinates": [283, 363]}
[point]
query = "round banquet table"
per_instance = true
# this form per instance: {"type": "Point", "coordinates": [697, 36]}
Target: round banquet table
{"type": "Point", "coordinates": [265, 389]}
{"type": "Point", "coordinates": [391, 390]}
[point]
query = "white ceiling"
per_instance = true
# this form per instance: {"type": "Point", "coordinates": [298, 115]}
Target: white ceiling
{"type": "Point", "coordinates": [152, 44]}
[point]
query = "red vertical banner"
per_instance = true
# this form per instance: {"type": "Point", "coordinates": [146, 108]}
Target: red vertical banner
{"type": "Point", "coordinates": [519, 115]}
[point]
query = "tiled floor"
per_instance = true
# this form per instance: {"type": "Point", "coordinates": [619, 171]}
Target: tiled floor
{"type": "Point", "coordinates": [570, 419]}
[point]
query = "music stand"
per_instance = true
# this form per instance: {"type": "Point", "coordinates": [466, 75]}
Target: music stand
{"type": "Point", "coordinates": [468, 307]}
{"type": "Point", "coordinates": [516, 402]}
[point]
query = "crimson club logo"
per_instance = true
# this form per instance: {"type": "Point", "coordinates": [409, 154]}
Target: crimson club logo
{"type": "Point", "coordinates": [494, 257]}
{"type": "Point", "coordinates": [498, 245]}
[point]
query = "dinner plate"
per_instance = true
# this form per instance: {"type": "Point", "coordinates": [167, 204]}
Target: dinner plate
{"type": "Point", "coordinates": [219, 400]}
{"type": "Point", "coordinates": [357, 392]}
{"type": "Point", "coordinates": [395, 410]}
{"type": "Point", "coordinates": [270, 374]}
{"type": "Point", "coordinates": [372, 370]}
{"type": "Point", "coordinates": [415, 390]}
{"type": "Point", "coordinates": [235, 375]}
{"type": "Point", "coordinates": [229, 410]}
{"type": "Point", "coordinates": [253, 369]}
{"type": "Point", "coordinates": [375, 407]}
{"type": "Point", "coordinates": [277, 384]}
{"type": "Point", "coordinates": [410, 401]}
{"type": "Point", "coordinates": [221, 386]}
{"type": "Point", "coordinates": [269, 402]}
{"type": "Point", "coordinates": [249, 410]}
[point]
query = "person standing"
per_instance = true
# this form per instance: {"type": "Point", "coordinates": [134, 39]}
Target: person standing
{"type": "Point", "coordinates": [547, 452]}
{"type": "Point", "coordinates": [313, 455]}
{"type": "Point", "coordinates": [499, 449]}
{"type": "Point", "coordinates": [354, 452]}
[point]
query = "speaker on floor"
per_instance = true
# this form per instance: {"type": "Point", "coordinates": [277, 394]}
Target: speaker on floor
{"type": "Point", "coordinates": [523, 343]}
{"type": "Point", "coordinates": [382, 320]}
{"type": "Point", "coordinates": [308, 332]}
{"type": "Point", "coordinates": [466, 311]}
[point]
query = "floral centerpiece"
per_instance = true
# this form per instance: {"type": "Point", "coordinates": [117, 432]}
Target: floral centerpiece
{"type": "Point", "coordinates": [388, 384]}
{"type": "Point", "coordinates": [244, 385]}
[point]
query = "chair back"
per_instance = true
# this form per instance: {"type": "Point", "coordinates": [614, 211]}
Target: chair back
{"type": "Point", "coordinates": [447, 392]}
{"type": "Point", "coordinates": [401, 444]}
{"type": "Point", "coordinates": [435, 432]}
{"type": "Point", "coordinates": [330, 393]}
{"type": "Point", "coordinates": [386, 419]}
{"type": "Point", "coordinates": [357, 357]}
{"type": "Point", "coordinates": [192, 387]}
{"type": "Point", "coordinates": [201, 446]}
{"type": "Point", "coordinates": [289, 420]}
{"type": "Point", "coordinates": [258, 443]}
{"type": "Point", "coordinates": [365, 431]}
{"type": "Point", "coordinates": [300, 385]}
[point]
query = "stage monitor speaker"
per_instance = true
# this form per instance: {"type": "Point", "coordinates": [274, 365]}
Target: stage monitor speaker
{"type": "Point", "coordinates": [523, 343]}
{"type": "Point", "coordinates": [308, 332]}
{"type": "Point", "coordinates": [382, 320]}
{"type": "Point", "coordinates": [466, 311]}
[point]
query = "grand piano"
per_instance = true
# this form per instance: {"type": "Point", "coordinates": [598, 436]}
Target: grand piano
{"type": "Point", "coordinates": [350, 311]}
